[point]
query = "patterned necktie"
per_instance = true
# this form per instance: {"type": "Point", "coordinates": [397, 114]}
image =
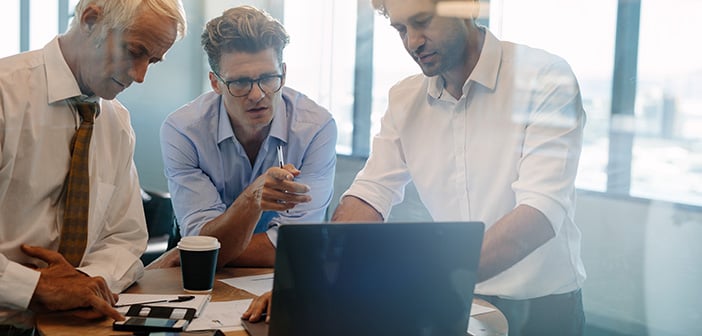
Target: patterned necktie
{"type": "Point", "coordinates": [74, 233]}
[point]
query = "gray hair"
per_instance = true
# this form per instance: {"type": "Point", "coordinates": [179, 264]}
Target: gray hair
{"type": "Point", "coordinates": [242, 29]}
{"type": "Point", "coordinates": [120, 14]}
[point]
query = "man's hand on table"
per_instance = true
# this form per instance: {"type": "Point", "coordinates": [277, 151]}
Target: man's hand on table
{"type": "Point", "coordinates": [258, 306]}
{"type": "Point", "coordinates": [62, 287]}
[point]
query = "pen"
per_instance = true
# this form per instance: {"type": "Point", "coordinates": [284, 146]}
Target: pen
{"type": "Point", "coordinates": [181, 298]}
{"type": "Point", "coordinates": [281, 162]}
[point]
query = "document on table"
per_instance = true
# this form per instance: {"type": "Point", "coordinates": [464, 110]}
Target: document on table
{"type": "Point", "coordinates": [254, 284]}
{"type": "Point", "coordinates": [477, 309]}
{"type": "Point", "coordinates": [198, 301]}
{"type": "Point", "coordinates": [224, 315]}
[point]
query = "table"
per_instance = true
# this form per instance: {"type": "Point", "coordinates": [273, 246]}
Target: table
{"type": "Point", "coordinates": [167, 281]}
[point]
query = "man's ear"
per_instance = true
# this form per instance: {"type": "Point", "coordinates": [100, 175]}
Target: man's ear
{"type": "Point", "coordinates": [214, 82]}
{"type": "Point", "coordinates": [90, 17]}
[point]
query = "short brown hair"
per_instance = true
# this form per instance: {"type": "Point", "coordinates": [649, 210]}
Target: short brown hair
{"type": "Point", "coordinates": [242, 29]}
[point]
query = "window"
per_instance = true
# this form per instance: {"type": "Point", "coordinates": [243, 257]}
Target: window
{"type": "Point", "coordinates": [44, 23]}
{"type": "Point", "coordinates": [321, 56]}
{"type": "Point", "coordinates": [585, 39]}
{"type": "Point", "coordinates": [10, 26]}
{"type": "Point", "coordinates": [391, 63]}
{"type": "Point", "coordinates": [667, 148]}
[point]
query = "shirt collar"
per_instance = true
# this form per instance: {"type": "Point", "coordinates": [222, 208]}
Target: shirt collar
{"type": "Point", "coordinates": [224, 129]}
{"type": "Point", "coordinates": [279, 125]}
{"type": "Point", "coordinates": [278, 129]}
{"type": "Point", "coordinates": [61, 84]}
{"type": "Point", "coordinates": [485, 72]}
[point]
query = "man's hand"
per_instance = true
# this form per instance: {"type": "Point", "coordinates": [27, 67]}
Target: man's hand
{"type": "Point", "coordinates": [257, 307]}
{"type": "Point", "coordinates": [170, 258]}
{"type": "Point", "coordinates": [276, 190]}
{"type": "Point", "coordinates": [62, 287]}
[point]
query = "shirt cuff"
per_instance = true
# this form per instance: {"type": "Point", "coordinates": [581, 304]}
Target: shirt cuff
{"type": "Point", "coordinates": [272, 234]}
{"type": "Point", "coordinates": [18, 283]}
{"type": "Point", "coordinates": [553, 211]}
{"type": "Point", "coordinates": [378, 203]}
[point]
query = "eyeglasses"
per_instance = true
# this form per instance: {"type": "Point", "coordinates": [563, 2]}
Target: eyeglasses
{"type": "Point", "coordinates": [242, 87]}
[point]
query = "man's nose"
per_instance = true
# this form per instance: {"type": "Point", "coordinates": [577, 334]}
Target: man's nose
{"type": "Point", "coordinates": [415, 39]}
{"type": "Point", "coordinates": [138, 70]}
{"type": "Point", "coordinates": [256, 94]}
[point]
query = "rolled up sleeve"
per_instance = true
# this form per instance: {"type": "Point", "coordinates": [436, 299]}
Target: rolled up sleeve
{"type": "Point", "coordinates": [551, 146]}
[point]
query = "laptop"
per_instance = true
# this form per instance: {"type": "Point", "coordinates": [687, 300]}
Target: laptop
{"type": "Point", "coordinates": [373, 279]}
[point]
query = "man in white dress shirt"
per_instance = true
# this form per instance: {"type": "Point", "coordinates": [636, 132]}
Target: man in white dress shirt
{"type": "Point", "coordinates": [109, 45]}
{"type": "Point", "coordinates": [492, 132]}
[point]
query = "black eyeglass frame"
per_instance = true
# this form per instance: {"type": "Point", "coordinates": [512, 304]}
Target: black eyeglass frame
{"type": "Point", "coordinates": [251, 82]}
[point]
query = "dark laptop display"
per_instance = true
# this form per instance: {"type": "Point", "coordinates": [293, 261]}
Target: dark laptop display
{"type": "Point", "coordinates": [375, 278]}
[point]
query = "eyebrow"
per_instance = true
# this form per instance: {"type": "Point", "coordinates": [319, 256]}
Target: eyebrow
{"type": "Point", "coordinates": [145, 52]}
{"type": "Point", "coordinates": [251, 78]}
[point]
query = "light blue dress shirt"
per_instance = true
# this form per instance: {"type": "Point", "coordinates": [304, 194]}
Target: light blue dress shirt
{"type": "Point", "coordinates": [207, 168]}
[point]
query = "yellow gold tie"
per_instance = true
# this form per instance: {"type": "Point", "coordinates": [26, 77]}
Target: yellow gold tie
{"type": "Point", "coordinates": [74, 233]}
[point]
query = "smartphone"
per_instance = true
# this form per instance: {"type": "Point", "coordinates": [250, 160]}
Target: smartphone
{"type": "Point", "coordinates": [133, 323]}
{"type": "Point", "coordinates": [207, 332]}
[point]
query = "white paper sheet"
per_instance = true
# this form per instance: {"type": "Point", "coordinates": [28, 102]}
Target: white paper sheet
{"type": "Point", "coordinates": [254, 284]}
{"type": "Point", "coordinates": [224, 315]}
{"type": "Point", "coordinates": [477, 309]}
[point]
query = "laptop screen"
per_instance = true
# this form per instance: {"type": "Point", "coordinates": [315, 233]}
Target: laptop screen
{"type": "Point", "coordinates": [375, 278]}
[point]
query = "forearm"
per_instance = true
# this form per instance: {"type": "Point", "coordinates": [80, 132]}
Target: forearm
{"type": "Point", "coordinates": [259, 253]}
{"type": "Point", "coordinates": [354, 209]}
{"type": "Point", "coordinates": [511, 239]}
{"type": "Point", "coordinates": [234, 228]}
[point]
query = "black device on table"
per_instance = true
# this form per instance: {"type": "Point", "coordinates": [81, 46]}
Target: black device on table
{"type": "Point", "coordinates": [373, 279]}
{"type": "Point", "coordinates": [148, 324]}
{"type": "Point", "coordinates": [207, 332]}
{"type": "Point", "coordinates": [144, 319]}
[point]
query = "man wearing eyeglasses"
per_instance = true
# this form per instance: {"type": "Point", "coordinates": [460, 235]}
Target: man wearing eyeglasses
{"type": "Point", "coordinates": [220, 151]}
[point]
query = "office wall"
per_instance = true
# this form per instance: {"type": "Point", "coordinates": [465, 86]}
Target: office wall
{"type": "Point", "coordinates": [642, 259]}
{"type": "Point", "coordinates": [168, 85]}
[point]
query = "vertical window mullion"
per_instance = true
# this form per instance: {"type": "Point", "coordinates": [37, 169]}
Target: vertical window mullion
{"type": "Point", "coordinates": [622, 125]}
{"type": "Point", "coordinates": [363, 80]}
{"type": "Point", "coordinates": [63, 15]}
{"type": "Point", "coordinates": [24, 25]}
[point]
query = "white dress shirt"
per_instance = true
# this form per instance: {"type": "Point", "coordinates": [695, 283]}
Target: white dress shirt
{"type": "Point", "coordinates": [512, 138]}
{"type": "Point", "coordinates": [36, 128]}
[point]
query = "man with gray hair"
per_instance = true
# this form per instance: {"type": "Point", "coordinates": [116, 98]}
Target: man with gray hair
{"type": "Point", "coordinates": [72, 225]}
{"type": "Point", "coordinates": [251, 154]}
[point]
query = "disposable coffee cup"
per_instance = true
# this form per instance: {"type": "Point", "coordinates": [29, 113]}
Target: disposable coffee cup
{"type": "Point", "coordinates": [198, 261]}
